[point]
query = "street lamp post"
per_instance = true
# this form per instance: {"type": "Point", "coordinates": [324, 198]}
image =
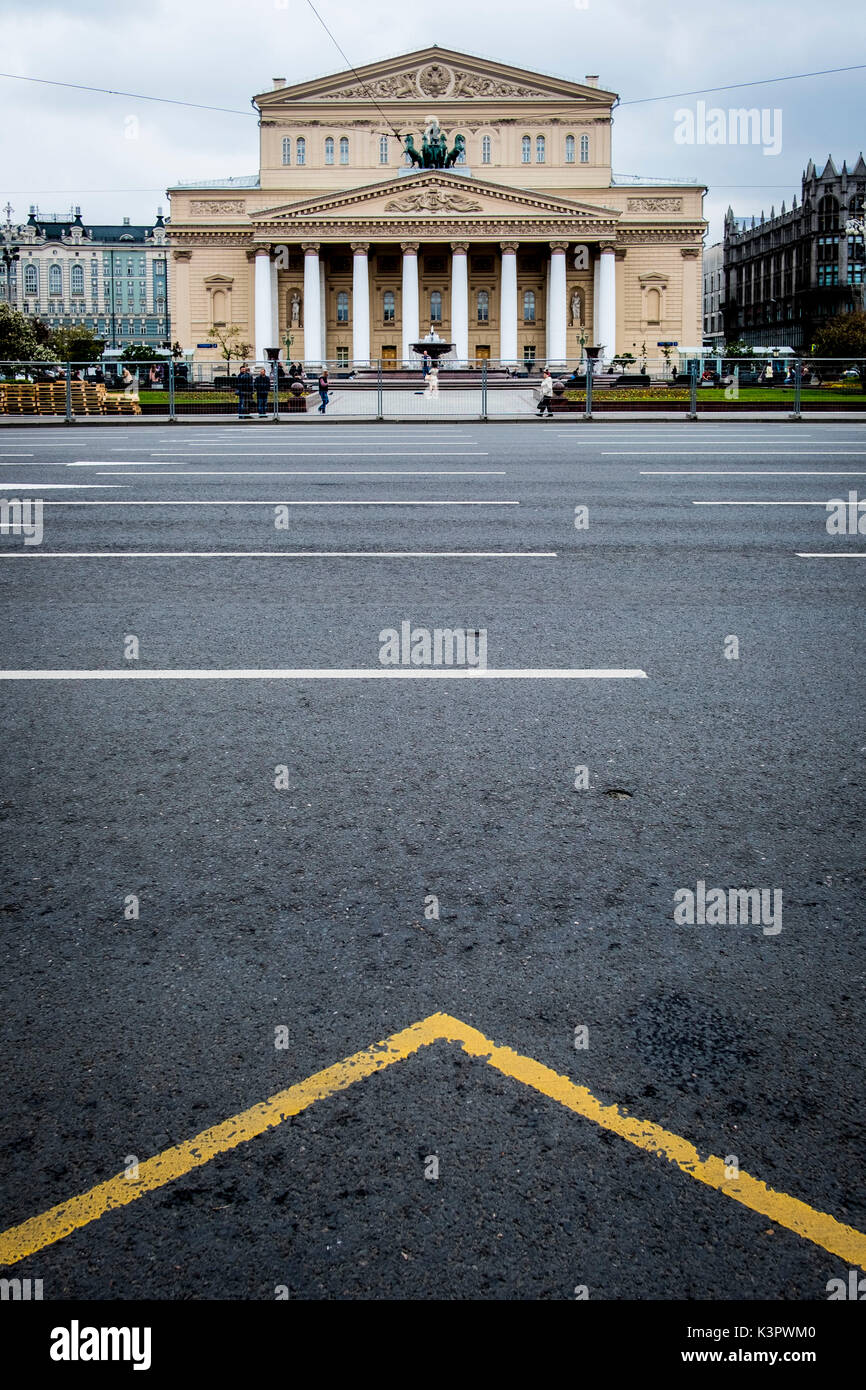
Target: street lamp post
{"type": "Point", "coordinates": [10, 255]}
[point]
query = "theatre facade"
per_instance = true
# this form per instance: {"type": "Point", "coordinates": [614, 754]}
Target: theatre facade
{"type": "Point", "coordinates": [520, 249]}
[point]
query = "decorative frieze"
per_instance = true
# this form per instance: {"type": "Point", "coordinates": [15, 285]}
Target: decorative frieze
{"type": "Point", "coordinates": [216, 207]}
{"type": "Point", "coordinates": [654, 205]}
{"type": "Point", "coordinates": [431, 200]}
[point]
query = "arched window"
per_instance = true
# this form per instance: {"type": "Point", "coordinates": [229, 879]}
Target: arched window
{"type": "Point", "coordinates": [653, 306]}
{"type": "Point", "coordinates": [77, 279]}
{"type": "Point", "coordinates": [539, 149]}
{"type": "Point", "coordinates": [55, 280]}
{"type": "Point", "coordinates": [300, 150]}
{"type": "Point", "coordinates": [485, 149]}
{"type": "Point", "coordinates": [526, 150]}
{"type": "Point", "coordinates": [329, 150]}
{"type": "Point", "coordinates": [529, 306]}
{"type": "Point", "coordinates": [584, 149]}
{"type": "Point", "coordinates": [436, 306]}
{"type": "Point", "coordinates": [388, 305]}
{"type": "Point", "coordinates": [483, 306]}
{"type": "Point", "coordinates": [287, 149]}
{"type": "Point", "coordinates": [828, 214]}
{"type": "Point", "coordinates": [343, 307]}
{"type": "Point", "coordinates": [31, 280]}
{"type": "Point", "coordinates": [569, 149]}
{"type": "Point", "coordinates": [344, 149]}
{"type": "Point", "coordinates": [383, 149]}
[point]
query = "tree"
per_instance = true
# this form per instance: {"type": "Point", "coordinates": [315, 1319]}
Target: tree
{"type": "Point", "coordinates": [229, 339]}
{"type": "Point", "coordinates": [137, 353]}
{"type": "Point", "coordinates": [23, 339]}
{"type": "Point", "coordinates": [76, 344]}
{"type": "Point", "coordinates": [844, 336]}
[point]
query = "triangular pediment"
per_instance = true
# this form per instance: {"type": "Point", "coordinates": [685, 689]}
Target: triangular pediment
{"type": "Point", "coordinates": [430, 194]}
{"type": "Point", "coordinates": [436, 74]}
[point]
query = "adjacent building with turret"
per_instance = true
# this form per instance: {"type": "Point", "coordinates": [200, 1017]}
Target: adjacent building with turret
{"type": "Point", "coordinates": [786, 274]}
{"type": "Point", "coordinates": [113, 279]}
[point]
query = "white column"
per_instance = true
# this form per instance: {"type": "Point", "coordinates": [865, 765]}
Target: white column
{"type": "Point", "coordinates": [275, 307]}
{"type": "Point", "coordinates": [361, 304]}
{"type": "Point", "coordinates": [558, 305]}
{"type": "Point", "coordinates": [596, 322]}
{"type": "Point", "coordinates": [607, 303]}
{"type": "Point", "coordinates": [263, 317]}
{"type": "Point", "coordinates": [460, 300]}
{"type": "Point", "coordinates": [508, 304]}
{"type": "Point", "coordinates": [323, 305]}
{"type": "Point", "coordinates": [547, 317]}
{"type": "Point", "coordinates": [411, 319]}
{"type": "Point", "coordinates": [312, 306]}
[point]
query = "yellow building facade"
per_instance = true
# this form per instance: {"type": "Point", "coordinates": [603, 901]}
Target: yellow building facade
{"type": "Point", "coordinates": [522, 250]}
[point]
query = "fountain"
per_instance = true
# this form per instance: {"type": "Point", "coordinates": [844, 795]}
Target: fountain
{"type": "Point", "coordinates": [435, 346]}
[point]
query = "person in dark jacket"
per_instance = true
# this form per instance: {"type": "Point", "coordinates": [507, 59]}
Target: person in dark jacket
{"type": "Point", "coordinates": [263, 390]}
{"type": "Point", "coordinates": [244, 388]}
{"type": "Point", "coordinates": [324, 386]}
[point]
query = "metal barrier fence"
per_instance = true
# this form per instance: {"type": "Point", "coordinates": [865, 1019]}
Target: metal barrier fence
{"type": "Point", "coordinates": [281, 392]}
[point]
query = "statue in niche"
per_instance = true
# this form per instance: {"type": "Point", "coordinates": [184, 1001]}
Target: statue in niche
{"type": "Point", "coordinates": [295, 309]}
{"type": "Point", "coordinates": [576, 310]}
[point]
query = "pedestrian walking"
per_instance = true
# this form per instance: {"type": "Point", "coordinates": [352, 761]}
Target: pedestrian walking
{"type": "Point", "coordinates": [263, 390]}
{"type": "Point", "coordinates": [432, 382]}
{"type": "Point", "coordinates": [244, 388]}
{"type": "Point", "coordinates": [426, 364]}
{"type": "Point", "coordinates": [544, 403]}
{"type": "Point", "coordinates": [324, 386]}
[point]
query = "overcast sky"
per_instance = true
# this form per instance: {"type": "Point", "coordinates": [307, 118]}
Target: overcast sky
{"type": "Point", "coordinates": [61, 147]}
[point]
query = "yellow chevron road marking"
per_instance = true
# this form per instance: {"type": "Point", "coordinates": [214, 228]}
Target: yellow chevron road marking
{"type": "Point", "coordinates": [60, 1221]}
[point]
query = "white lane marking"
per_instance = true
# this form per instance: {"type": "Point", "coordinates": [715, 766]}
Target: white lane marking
{"type": "Point", "coordinates": [65, 487]}
{"type": "Point", "coordinates": [106, 466]}
{"type": "Point", "coordinates": [308, 473]}
{"type": "Point", "coordinates": [278, 554]}
{"type": "Point", "coordinates": [714, 503]}
{"type": "Point", "coordinates": [831, 554]}
{"type": "Point", "coordinates": [343, 454]}
{"type": "Point", "coordinates": [732, 453]}
{"type": "Point", "coordinates": [274, 502]}
{"type": "Point", "coordinates": [749, 473]}
{"type": "Point", "coordinates": [364, 673]}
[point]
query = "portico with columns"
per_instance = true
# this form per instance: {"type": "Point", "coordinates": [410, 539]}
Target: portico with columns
{"type": "Point", "coordinates": [524, 250]}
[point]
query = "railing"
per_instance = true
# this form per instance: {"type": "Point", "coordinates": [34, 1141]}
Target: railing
{"type": "Point", "coordinates": [384, 389]}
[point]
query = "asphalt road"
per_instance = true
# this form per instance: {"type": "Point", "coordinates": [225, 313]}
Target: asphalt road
{"type": "Point", "coordinates": [303, 907]}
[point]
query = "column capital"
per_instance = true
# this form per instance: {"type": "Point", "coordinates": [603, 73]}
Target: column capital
{"type": "Point", "coordinates": [261, 248]}
{"type": "Point", "coordinates": [690, 252]}
{"type": "Point", "coordinates": [181, 255]}
{"type": "Point", "coordinates": [460, 247]}
{"type": "Point", "coordinates": [409, 248]}
{"type": "Point", "coordinates": [559, 245]}
{"type": "Point", "coordinates": [509, 247]}
{"type": "Point", "coordinates": [310, 248]}
{"type": "Point", "coordinates": [360, 248]}
{"type": "Point", "coordinates": [606, 246]}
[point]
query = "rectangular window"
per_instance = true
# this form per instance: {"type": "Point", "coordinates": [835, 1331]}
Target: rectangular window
{"type": "Point", "coordinates": [342, 357]}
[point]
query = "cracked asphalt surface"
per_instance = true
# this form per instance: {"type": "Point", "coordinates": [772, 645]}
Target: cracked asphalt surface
{"type": "Point", "coordinates": [305, 907]}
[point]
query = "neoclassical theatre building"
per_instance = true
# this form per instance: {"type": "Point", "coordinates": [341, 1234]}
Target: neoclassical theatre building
{"type": "Point", "coordinates": [503, 230]}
